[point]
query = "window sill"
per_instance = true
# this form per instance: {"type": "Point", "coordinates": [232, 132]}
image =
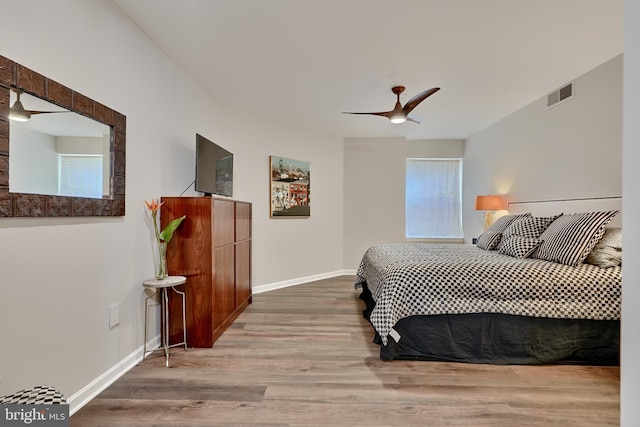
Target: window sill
{"type": "Point", "coordinates": [459, 240]}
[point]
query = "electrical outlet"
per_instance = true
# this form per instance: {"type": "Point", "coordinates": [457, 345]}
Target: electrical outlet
{"type": "Point", "coordinates": [114, 315]}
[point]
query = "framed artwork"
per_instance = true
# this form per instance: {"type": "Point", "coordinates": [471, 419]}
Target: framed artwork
{"type": "Point", "coordinates": [290, 188]}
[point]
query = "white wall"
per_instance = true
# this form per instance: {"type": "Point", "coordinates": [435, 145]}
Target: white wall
{"type": "Point", "coordinates": [60, 275]}
{"type": "Point", "coordinates": [630, 371]}
{"type": "Point", "coordinates": [287, 249]}
{"type": "Point", "coordinates": [573, 149]}
{"type": "Point", "coordinates": [53, 312]}
{"type": "Point", "coordinates": [374, 189]}
{"type": "Point", "coordinates": [36, 167]}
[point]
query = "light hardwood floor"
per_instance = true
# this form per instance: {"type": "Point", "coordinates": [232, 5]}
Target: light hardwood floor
{"type": "Point", "coordinates": [303, 356]}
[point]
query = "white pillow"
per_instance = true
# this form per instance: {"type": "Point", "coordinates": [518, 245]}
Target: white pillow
{"type": "Point", "coordinates": [608, 252]}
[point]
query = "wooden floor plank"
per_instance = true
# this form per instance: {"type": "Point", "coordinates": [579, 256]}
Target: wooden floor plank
{"type": "Point", "coordinates": [303, 357]}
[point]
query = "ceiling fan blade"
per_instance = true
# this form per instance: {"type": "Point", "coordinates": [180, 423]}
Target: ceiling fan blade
{"type": "Point", "coordinates": [382, 113]}
{"type": "Point", "coordinates": [19, 113]}
{"type": "Point", "coordinates": [414, 118]}
{"type": "Point", "coordinates": [45, 112]}
{"type": "Point", "coordinates": [413, 102]}
{"type": "Point", "coordinates": [400, 114]}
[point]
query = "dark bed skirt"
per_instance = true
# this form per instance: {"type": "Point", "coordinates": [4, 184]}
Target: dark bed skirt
{"type": "Point", "coordinates": [500, 339]}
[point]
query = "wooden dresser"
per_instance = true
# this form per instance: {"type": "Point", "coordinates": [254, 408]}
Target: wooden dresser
{"type": "Point", "coordinates": [212, 249]}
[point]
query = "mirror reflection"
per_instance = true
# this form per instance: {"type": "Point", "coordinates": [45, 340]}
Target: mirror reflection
{"type": "Point", "coordinates": [58, 152]}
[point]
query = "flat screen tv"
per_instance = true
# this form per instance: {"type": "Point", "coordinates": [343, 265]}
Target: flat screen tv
{"type": "Point", "coordinates": [214, 168]}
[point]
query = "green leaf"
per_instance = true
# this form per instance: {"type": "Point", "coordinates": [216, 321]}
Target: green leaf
{"type": "Point", "coordinates": [167, 233]}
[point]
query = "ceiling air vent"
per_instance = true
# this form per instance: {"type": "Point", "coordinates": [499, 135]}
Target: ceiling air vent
{"type": "Point", "coordinates": [559, 95]}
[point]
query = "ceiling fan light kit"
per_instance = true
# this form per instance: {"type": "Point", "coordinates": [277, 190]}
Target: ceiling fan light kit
{"type": "Point", "coordinates": [18, 113]}
{"type": "Point", "coordinates": [400, 114]}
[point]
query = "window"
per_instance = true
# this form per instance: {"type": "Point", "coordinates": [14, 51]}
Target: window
{"type": "Point", "coordinates": [433, 198]}
{"type": "Point", "coordinates": [80, 175]}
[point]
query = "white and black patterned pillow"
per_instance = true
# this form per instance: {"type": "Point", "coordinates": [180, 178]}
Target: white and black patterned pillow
{"type": "Point", "coordinates": [40, 395]}
{"type": "Point", "coordinates": [531, 227]}
{"type": "Point", "coordinates": [569, 239]}
{"type": "Point", "coordinates": [490, 239]}
{"type": "Point", "coordinates": [519, 246]}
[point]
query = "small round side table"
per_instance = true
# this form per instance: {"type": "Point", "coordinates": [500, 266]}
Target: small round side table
{"type": "Point", "coordinates": [163, 285]}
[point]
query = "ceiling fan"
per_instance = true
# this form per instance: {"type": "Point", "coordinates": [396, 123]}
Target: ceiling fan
{"type": "Point", "coordinates": [19, 114]}
{"type": "Point", "coordinates": [400, 114]}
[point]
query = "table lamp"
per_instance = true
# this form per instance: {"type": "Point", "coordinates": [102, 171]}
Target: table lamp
{"type": "Point", "coordinates": [489, 204]}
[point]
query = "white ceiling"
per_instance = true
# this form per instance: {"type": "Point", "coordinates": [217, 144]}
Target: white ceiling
{"type": "Point", "coordinates": [303, 62]}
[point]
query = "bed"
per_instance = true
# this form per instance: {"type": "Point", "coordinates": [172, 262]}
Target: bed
{"type": "Point", "coordinates": [537, 293]}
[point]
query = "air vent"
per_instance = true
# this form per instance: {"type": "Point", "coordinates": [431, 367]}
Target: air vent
{"type": "Point", "coordinates": [560, 95]}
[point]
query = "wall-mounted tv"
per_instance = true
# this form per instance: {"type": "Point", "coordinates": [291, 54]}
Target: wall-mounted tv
{"type": "Point", "coordinates": [214, 168]}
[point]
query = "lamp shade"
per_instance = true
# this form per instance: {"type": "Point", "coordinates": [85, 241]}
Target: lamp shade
{"type": "Point", "coordinates": [490, 203]}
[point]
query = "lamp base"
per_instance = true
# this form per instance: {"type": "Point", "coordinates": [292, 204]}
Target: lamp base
{"type": "Point", "coordinates": [488, 219]}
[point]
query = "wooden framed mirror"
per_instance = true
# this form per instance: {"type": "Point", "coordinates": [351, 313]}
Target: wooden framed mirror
{"type": "Point", "coordinates": [17, 79]}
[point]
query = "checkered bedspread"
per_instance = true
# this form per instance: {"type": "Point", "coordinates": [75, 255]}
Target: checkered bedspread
{"type": "Point", "coordinates": [429, 279]}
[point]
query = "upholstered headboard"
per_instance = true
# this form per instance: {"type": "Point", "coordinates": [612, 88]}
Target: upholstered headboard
{"type": "Point", "coordinates": [554, 207]}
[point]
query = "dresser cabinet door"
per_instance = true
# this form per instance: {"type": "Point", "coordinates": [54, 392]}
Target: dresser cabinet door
{"type": "Point", "coordinates": [223, 284]}
{"type": "Point", "coordinates": [243, 271]}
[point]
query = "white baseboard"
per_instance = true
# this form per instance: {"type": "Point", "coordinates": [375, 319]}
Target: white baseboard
{"type": "Point", "coordinates": [299, 281]}
{"type": "Point", "coordinates": [91, 390]}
